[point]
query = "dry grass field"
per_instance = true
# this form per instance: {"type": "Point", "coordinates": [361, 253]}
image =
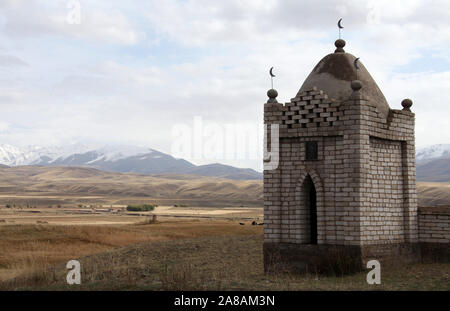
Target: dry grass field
{"type": "Point", "coordinates": [55, 215]}
{"type": "Point", "coordinates": [33, 248]}
{"type": "Point", "coordinates": [182, 255]}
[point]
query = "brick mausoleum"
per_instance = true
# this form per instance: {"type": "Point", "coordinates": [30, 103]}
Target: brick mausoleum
{"type": "Point", "coordinates": [345, 185]}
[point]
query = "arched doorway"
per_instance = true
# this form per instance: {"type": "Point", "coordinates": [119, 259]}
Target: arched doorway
{"type": "Point", "coordinates": [310, 207]}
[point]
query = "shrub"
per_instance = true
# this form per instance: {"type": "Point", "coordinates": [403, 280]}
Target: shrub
{"type": "Point", "coordinates": [141, 208]}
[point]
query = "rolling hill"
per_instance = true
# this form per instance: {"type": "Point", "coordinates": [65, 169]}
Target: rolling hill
{"type": "Point", "coordinates": [53, 185]}
{"type": "Point", "coordinates": [38, 184]}
{"type": "Point", "coordinates": [433, 193]}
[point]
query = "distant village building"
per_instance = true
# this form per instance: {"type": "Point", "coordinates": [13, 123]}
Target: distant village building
{"type": "Point", "coordinates": [344, 187]}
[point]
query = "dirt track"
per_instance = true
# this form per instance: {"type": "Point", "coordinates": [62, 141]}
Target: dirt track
{"type": "Point", "coordinates": [87, 216]}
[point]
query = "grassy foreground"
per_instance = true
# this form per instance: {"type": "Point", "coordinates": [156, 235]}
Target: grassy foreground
{"type": "Point", "coordinates": [214, 255]}
{"type": "Point", "coordinates": [30, 248]}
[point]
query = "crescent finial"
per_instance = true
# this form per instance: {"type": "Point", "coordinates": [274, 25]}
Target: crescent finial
{"type": "Point", "coordinates": [339, 24]}
{"type": "Point", "coordinates": [356, 63]}
{"type": "Point", "coordinates": [271, 72]}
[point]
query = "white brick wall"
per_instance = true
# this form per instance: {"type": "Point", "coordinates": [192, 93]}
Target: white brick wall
{"type": "Point", "coordinates": [434, 227]}
{"type": "Point", "coordinates": [364, 175]}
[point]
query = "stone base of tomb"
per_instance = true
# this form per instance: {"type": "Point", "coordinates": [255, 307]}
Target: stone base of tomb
{"type": "Point", "coordinates": [435, 252]}
{"type": "Point", "coordinates": [334, 259]}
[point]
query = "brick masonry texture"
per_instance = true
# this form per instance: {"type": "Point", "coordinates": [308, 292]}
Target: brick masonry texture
{"type": "Point", "coordinates": [364, 176]}
{"type": "Point", "coordinates": [434, 226]}
{"type": "Point", "coordinates": [434, 234]}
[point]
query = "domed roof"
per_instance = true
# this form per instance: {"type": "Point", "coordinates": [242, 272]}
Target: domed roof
{"type": "Point", "coordinates": [334, 73]}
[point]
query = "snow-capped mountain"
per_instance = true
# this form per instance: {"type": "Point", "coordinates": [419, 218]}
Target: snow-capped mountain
{"type": "Point", "coordinates": [29, 155]}
{"type": "Point", "coordinates": [11, 155]}
{"type": "Point", "coordinates": [116, 158]}
{"type": "Point", "coordinates": [433, 152]}
{"type": "Point", "coordinates": [36, 155]}
{"type": "Point", "coordinates": [433, 163]}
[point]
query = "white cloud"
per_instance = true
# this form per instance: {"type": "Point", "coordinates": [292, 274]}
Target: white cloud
{"type": "Point", "coordinates": [34, 18]}
{"type": "Point", "coordinates": [200, 22]}
{"type": "Point", "coordinates": [221, 52]}
{"type": "Point", "coordinates": [11, 61]}
{"type": "Point", "coordinates": [4, 126]}
{"type": "Point", "coordinates": [427, 90]}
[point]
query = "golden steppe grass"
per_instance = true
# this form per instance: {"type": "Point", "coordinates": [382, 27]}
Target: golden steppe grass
{"type": "Point", "coordinates": [183, 255]}
{"type": "Point", "coordinates": [31, 248]}
{"type": "Point", "coordinates": [214, 254]}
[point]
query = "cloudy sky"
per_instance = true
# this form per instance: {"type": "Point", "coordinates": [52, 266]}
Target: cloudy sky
{"type": "Point", "coordinates": [132, 72]}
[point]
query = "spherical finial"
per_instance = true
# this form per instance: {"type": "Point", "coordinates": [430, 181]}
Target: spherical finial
{"type": "Point", "coordinates": [272, 93]}
{"type": "Point", "coordinates": [339, 44]}
{"type": "Point", "coordinates": [356, 85]}
{"type": "Point", "coordinates": [407, 103]}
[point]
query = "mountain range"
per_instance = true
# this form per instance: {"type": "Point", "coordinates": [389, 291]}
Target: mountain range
{"type": "Point", "coordinates": [433, 162]}
{"type": "Point", "coordinates": [119, 158]}
{"type": "Point", "coordinates": [433, 152]}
